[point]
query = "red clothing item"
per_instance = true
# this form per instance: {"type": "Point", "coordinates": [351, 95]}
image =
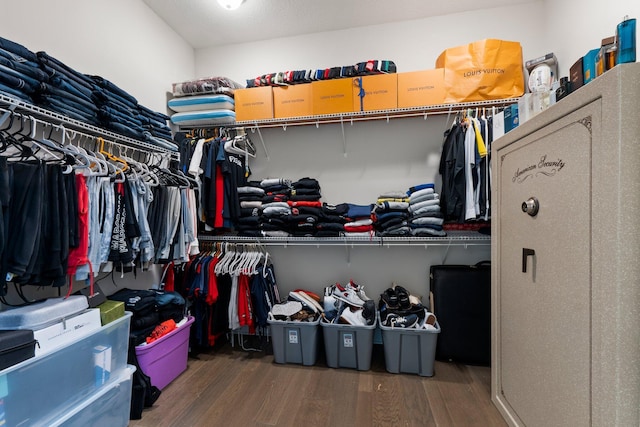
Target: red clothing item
{"type": "Point", "coordinates": [358, 228]}
{"type": "Point", "coordinates": [79, 256]}
{"type": "Point", "coordinates": [169, 278]}
{"type": "Point", "coordinates": [161, 330]}
{"type": "Point", "coordinates": [212, 283]}
{"type": "Point", "coordinates": [219, 220]}
{"type": "Point", "coordinates": [305, 203]}
{"type": "Point", "coordinates": [245, 313]}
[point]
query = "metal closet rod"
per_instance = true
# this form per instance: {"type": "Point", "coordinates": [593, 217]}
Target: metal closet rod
{"type": "Point", "coordinates": [14, 106]}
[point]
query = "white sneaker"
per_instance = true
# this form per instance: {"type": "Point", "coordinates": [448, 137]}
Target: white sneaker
{"type": "Point", "coordinates": [359, 290]}
{"type": "Point", "coordinates": [348, 295]}
{"type": "Point", "coordinates": [428, 321]}
{"type": "Point", "coordinates": [351, 317]}
{"type": "Point", "coordinates": [286, 309]}
{"type": "Point", "coordinates": [307, 301]}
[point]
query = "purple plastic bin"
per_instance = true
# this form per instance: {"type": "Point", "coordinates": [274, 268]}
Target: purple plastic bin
{"type": "Point", "coordinates": [166, 358]}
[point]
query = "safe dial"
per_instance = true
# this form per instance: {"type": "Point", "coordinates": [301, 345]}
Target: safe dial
{"type": "Point", "coordinates": [531, 206]}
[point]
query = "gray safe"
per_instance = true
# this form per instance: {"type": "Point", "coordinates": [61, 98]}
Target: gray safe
{"type": "Point", "coordinates": [566, 260]}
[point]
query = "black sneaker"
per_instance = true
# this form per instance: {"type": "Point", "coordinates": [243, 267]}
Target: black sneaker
{"type": "Point", "coordinates": [369, 311]}
{"type": "Point", "coordinates": [397, 321]}
{"type": "Point", "coordinates": [390, 298]}
{"type": "Point", "coordinates": [403, 298]}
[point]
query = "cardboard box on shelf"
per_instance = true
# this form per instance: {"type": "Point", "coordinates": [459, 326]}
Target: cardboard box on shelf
{"type": "Point", "coordinates": [376, 92]}
{"type": "Point", "coordinates": [421, 88]}
{"type": "Point", "coordinates": [332, 96]}
{"type": "Point", "coordinates": [292, 101]}
{"type": "Point", "coordinates": [254, 103]}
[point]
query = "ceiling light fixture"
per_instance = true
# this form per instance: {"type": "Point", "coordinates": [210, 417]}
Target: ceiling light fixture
{"type": "Point", "coordinates": [230, 4]}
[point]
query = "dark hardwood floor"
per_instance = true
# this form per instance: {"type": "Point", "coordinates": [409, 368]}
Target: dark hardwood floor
{"type": "Point", "coordinates": [231, 387]}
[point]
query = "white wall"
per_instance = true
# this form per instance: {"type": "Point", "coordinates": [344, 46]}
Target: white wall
{"type": "Point", "coordinates": [413, 45]}
{"type": "Point", "coordinates": [120, 40]}
{"type": "Point", "coordinates": [576, 26]}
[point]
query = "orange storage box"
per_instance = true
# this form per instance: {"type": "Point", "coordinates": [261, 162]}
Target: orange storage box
{"type": "Point", "coordinates": [292, 101]}
{"type": "Point", "coordinates": [421, 88]}
{"type": "Point", "coordinates": [380, 92]}
{"type": "Point", "coordinates": [254, 103]}
{"type": "Point", "coordinates": [332, 96]}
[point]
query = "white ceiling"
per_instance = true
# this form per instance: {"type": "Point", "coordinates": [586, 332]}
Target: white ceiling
{"type": "Point", "coordinates": [203, 23]}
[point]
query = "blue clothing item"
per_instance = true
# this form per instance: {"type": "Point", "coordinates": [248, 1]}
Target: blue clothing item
{"type": "Point", "coordinates": [106, 213]}
{"type": "Point", "coordinates": [18, 49]}
{"type": "Point", "coordinates": [15, 93]}
{"type": "Point", "coordinates": [71, 87]}
{"type": "Point", "coordinates": [48, 89]}
{"type": "Point", "coordinates": [166, 297]}
{"type": "Point", "coordinates": [25, 71]}
{"type": "Point", "coordinates": [153, 114]}
{"type": "Point", "coordinates": [67, 107]}
{"type": "Point", "coordinates": [9, 79]}
{"type": "Point", "coordinates": [359, 211]}
{"type": "Point", "coordinates": [125, 130]}
{"type": "Point", "coordinates": [30, 83]}
{"type": "Point", "coordinates": [59, 67]}
{"type": "Point", "coordinates": [103, 96]}
{"type": "Point", "coordinates": [113, 89]}
{"type": "Point", "coordinates": [110, 115]}
{"type": "Point", "coordinates": [385, 216]}
{"type": "Point", "coordinates": [159, 142]}
{"type": "Point", "coordinates": [419, 187]}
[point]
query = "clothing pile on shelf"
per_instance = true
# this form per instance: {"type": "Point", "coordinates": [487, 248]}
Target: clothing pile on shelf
{"type": "Point", "coordinates": [41, 79]}
{"type": "Point", "coordinates": [226, 289]}
{"type": "Point", "coordinates": [206, 101]}
{"type": "Point", "coordinates": [348, 305]}
{"type": "Point", "coordinates": [359, 222]}
{"type": "Point", "coordinates": [425, 216]}
{"type": "Point", "coordinates": [465, 168]}
{"type": "Point", "coordinates": [279, 207]}
{"type": "Point", "coordinates": [398, 308]}
{"type": "Point", "coordinates": [391, 213]}
{"type": "Point", "coordinates": [284, 78]}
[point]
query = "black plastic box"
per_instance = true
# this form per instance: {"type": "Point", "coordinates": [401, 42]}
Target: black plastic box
{"type": "Point", "coordinates": [16, 346]}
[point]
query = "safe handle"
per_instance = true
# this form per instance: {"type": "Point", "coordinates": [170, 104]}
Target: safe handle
{"type": "Point", "coordinates": [526, 253]}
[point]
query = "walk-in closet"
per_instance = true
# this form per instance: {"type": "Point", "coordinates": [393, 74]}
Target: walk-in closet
{"type": "Point", "coordinates": [282, 213]}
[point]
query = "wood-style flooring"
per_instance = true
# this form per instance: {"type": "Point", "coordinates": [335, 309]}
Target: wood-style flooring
{"type": "Point", "coordinates": [230, 387]}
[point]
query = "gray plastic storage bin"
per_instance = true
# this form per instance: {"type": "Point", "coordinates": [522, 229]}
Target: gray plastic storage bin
{"type": "Point", "coordinates": [410, 351]}
{"type": "Point", "coordinates": [294, 342]}
{"type": "Point", "coordinates": [348, 346]}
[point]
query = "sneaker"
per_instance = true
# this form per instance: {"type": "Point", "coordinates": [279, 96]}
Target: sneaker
{"type": "Point", "coordinates": [348, 295]}
{"type": "Point", "coordinates": [369, 311]}
{"type": "Point", "coordinates": [330, 308]}
{"type": "Point", "coordinates": [359, 290]}
{"type": "Point", "coordinates": [306, 300]}
{"type": "Point", "coordinates": [403, 298]}
{"type": "Point", "coordinates": [390, 299]}
{"type": "Point", "coordinates": [284, 311]}
{"type": "Point", "coordinates": [428, 321]}
{"type": "Point", "coordinates": [397, 321]}
{"type": "Point", "coordinates": [351, 317]}
{"type": "Point", "coordinates": [303, 316]}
